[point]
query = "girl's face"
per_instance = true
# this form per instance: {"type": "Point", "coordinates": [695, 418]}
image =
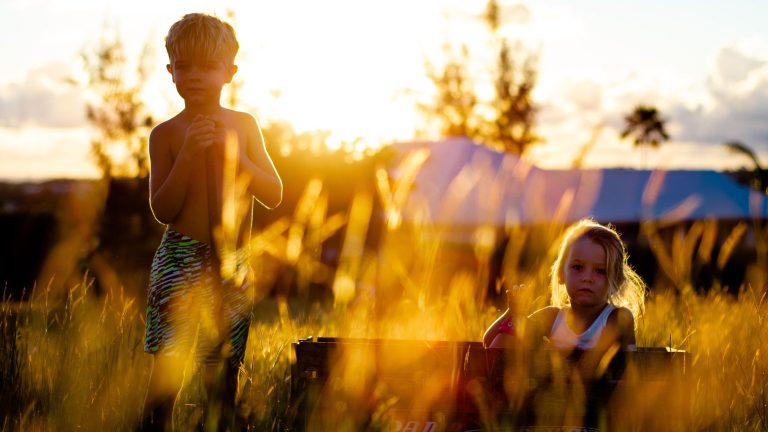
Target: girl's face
{"type": "Point", "coordinates": [584, 274]}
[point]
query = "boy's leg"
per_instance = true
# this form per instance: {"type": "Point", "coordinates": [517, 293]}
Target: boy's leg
{"type": "Point", "coordinates": [164, 383]}
{"type": "Point", "coordinates": [221, 382]}
{"type": "Point", "coordinates": [229, 403]}
{"type": "Point", "coordinates": [180, 297]}
{"type": "Point", "coordinates": [221, 387]}
{"type": "Point", "coordinates": [236, 355]}
{"type": "Point", "coordinates": [221, 378]}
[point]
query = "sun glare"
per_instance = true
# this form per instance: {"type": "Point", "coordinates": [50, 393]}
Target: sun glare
{"type": "Point", "coordinates": [356, 70]}
{"type": "Point", "coordinates": [338, 66]}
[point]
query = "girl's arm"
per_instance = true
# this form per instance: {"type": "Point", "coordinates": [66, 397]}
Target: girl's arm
{"type": "Point", "coordinates": [502, 326]}
{"type": "Point", "coordinates": [503, 330]}
{"type": "Point", "coordinates": [537, 326]}
{"type": "Point", "coordinates": [497, 335]}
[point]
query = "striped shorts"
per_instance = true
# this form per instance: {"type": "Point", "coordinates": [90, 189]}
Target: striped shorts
{"type": "Point", "coordinates": [192, 308]}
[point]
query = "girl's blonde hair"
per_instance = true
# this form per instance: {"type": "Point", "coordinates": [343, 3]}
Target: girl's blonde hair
{"type": "Point", "coordinates": [625, 287]}
{"type": "Point", "coordinates": [201, 36]}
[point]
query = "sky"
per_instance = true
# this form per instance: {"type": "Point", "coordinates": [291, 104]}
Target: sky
{"type": "Point", "coordinates": [357, 67]}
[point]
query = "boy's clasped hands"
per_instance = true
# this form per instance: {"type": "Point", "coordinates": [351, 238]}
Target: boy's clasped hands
{"type": "Point", "coordinates": [203, 132]}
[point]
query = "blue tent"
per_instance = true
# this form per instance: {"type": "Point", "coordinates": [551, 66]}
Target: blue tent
{"type": "Point", "coordinates": [457, 182]}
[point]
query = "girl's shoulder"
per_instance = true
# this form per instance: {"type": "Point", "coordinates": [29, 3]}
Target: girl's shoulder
{"type": "Point", "coordinates": [544, 318]}
{"type": "Point", "coordinates": [622, 324]}
{"type": "Point", "coordinates": [622, 317]}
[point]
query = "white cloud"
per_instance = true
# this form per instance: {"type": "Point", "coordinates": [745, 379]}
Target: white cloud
{"type": "Point", "coordinates": [43, 98]}
{"type": "Point", "coordinates": [730, 102]}
{"type": "Point", "coordinates": [734, 66]}
{"type": "Point", "coordinates": [514, 14]}
{"type": "Point", "coordinates": [738, 103]}
{"type": "Point", "coordinates": [33, 153]}
{"type": "Point", "coordinates": [585, 95]}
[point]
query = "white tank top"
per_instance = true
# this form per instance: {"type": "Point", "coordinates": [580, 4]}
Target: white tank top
{"type": "Point", "coordinates": [563, 337]}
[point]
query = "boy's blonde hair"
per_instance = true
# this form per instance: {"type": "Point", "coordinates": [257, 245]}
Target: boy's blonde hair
{"type": "Point", "coordinates": [201, 36]}
{"type": "Point", "coordinates": [625, 287]}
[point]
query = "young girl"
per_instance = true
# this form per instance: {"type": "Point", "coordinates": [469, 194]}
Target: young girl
{"type": "Point", "coordinates": [595, 296]}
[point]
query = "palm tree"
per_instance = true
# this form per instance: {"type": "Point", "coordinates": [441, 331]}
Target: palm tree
{"type": "Point", "coordinates": [760, 174]}
{"type": "Point", "coordinates": [646, 126]}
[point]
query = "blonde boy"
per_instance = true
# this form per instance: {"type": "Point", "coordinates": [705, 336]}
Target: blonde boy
{"type": "Point", "coordinates": [190, 304]}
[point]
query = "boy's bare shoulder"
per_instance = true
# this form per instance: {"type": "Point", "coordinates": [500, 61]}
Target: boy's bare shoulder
{"type": "Point", "coordinates": [166, 128]}
{"type": "Point", "coordinates": [240, 118]}
{"type": "Point", "coordinates": [167, 136]}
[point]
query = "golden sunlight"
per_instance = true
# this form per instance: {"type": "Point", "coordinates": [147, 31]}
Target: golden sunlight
{"type": "Point", "coordinates": [438, 285]}
{"type": "Point", "coordinates": [351, 72]}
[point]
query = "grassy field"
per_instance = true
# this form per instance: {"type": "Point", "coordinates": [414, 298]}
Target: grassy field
{"type": "Point", "coordinates": [73, 360]}
{"type": "Point", "coordinates": [80, 363]}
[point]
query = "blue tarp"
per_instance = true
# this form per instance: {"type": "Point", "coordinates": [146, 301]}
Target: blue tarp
{"type": "Point", "coordinates": [459, 182]}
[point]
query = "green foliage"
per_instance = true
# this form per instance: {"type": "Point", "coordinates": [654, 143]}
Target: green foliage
{"type": "Point", "coordinates": [504, 122]}
{"type": "Point", "coordinates": [117, 111]}
{"type": "Point", "coordinates": [455, 105]}
{"type": "Point", "coordinates": [515, 113]}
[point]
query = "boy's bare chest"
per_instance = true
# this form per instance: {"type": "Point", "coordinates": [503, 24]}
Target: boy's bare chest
{"type": "Point", "coordinates": [206, 170]}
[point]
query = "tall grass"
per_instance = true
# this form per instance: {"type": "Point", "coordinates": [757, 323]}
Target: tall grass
{"type": "Point", "coordinates": [75, 361]}
{"type": "Point", "coordinates": [725, 333]}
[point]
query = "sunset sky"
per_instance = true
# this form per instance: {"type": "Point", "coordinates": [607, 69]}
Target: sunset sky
{"type": "Point", "coordinates": [355, 67]}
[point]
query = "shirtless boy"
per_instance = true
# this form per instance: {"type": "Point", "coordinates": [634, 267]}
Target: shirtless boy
{"type": "Point", "coordinates": [193, 307]}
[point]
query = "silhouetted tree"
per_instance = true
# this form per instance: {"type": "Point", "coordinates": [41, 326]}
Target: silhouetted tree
{"type": "Point", "coordinates": [760, 174]}
{"type": "Point", "coordinates": [456, 102]}
{"type": "Point", "coordinates": [505, 122]}
{"type": "Point", "coordinates": [511, 129]}
{"type": "Point", "coordinates": [127, 233]}
{"type": "Point", "coordinates": [118, 113]}
{"type": "Point", "coordinates": [646, 126]}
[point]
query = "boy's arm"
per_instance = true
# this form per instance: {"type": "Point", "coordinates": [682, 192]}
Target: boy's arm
{"type": "Point", "coordinates": [264, 181]}
{"type": "Point", "coordinates": [169, 177]}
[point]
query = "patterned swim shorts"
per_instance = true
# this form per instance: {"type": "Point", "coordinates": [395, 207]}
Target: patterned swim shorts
{"type": "Point", "coordinates": [191, 307]}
